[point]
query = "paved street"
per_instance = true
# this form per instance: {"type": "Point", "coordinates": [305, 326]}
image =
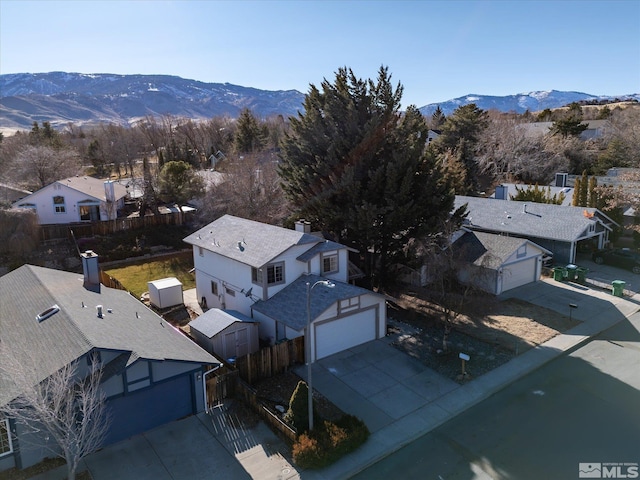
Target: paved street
{"type": "Point", "coordinates": [581, 407]}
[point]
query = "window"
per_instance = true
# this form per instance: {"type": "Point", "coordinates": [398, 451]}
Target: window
{"type": "Point", "coordinates": [330, 263]}
{"type": "Point", "coordinates": [231, 293]}
{"type": "Point", "coordinates": [58, 204]}
{"type": "Point", "coordinates": [349, 304]}
{"type": "Point", "coordinates": [214, 287]}
{"type": "Point", "coordinates": [275, 274]}
{"type": "Point", "coordinates": [6, 446]}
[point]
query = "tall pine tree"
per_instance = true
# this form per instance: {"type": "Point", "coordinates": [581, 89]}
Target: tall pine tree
{"type": "Point", "coordinates": [356, 167]}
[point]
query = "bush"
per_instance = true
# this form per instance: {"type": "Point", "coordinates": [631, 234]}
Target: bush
{"type": "Point", "coordinates": [330, 442]}
{"type": "Point", "coordinates": [298, 414]}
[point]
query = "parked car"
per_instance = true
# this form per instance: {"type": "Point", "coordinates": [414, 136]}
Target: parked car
{"type": "Point", "coordinates": [618, 257]}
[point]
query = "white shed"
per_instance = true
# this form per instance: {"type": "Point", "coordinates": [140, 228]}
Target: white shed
{"type": "Point", "coordinates": [228, 333]}
{"type": "Point", "coordinates": [166, 292]}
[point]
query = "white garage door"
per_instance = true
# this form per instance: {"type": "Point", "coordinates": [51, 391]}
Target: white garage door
{"type": "Point", "coordinates": [518, 274]}
{"type": "Point", "coordinates": [338, 335]}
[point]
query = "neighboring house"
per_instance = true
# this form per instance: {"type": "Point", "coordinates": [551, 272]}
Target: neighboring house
{"type": "Point", "coordinates": [76, 199]}
{"type": "Point", "coordinates": [432, 135]}
{"type": "Point", "coordinates": [225, 333]}
{"type": "Point", "coordinates": [595, 129]}
{"type": "Point", "coordinates": [497, 263]}
{"type": "Point", "coordinates": [560, 186]}
{"type": "Point", "coordinates": [239, 262]}
{"type": "Point", "coordinates": [152, 372]}
{"type": "Point", "coordinates": [557, 228]}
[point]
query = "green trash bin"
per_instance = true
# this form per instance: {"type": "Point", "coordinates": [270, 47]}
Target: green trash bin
{"type": "Point", "coordinates": [618, 288]}
{"type": "Point", "coordinates": [558, 274]}
{"type": "Point", "coordinates": [581, 274]}
{"type": "Point", "coordinates": [571, 272]}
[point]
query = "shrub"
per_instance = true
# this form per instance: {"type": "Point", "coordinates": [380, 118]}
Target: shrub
{"type": "Point", "coordinates": [330, 442]}
{"type": "Point", "coordinates": [298, 414]}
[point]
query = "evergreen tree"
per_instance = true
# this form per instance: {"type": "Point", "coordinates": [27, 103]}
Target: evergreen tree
{"type": "Point", "coordinates": [179, 183]}
{"type": "Point", "coordinates": [538, 195]}
{"type": "Point", "coordinates": [583, 194]}
{"type": "Point", "coordinates": [592, 193]}
{"type": "Point", "coordinates": [356, 167]}
{"type": "Point", "coordinates": [571, 123]}
{"type": "Point", "coordinates": [437, 119]}
{"type": "Point", "coordinates": [460, 135]}
{"type": "Point", "coordinates": [577, 185]}
{"type": "Point", "coordinates": [250, 136]}
{"type": "Point", "coordinates": [298, 413]}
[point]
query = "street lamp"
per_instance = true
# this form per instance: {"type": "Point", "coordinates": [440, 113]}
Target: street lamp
{"type": "Point", "coordinates": [328, 284]}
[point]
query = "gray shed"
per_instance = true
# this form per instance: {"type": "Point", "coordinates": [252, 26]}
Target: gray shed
{"type": "Point", "coordinates": [228, 333]}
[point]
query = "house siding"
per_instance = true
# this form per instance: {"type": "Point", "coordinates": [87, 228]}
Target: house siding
{"type": "Point", "coordinates": [43, 200]}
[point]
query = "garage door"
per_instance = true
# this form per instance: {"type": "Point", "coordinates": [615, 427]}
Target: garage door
{"type": "Point", "coordinates": [338, 335]}
{"type": "Point", "coordinates": [145, 409]}
{"type": "Point", "coordinates": [518, 274]}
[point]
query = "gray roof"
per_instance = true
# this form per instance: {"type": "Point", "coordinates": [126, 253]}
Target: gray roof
{"type": "Point", "coordinates": [75, 330]}
{"type": "Point", "coordinates": [213, 321]}
{"type": "Point", "coordinates": [289, 305]}
{"type": "Point", "coordinates": [93, 187]}
{"type": "Point", "coordinates": [529, 219]}
{"type": "Point", "coordinates": [246, 241]}
{"type": "Point", "coordinates": [512, 189]}
{"type": "Point", "coordinates": [323, 246]}
{"type": "Point", "coordinates": [490, 250]}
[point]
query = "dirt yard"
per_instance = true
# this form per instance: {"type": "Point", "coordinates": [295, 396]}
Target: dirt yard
{"type": "Point", "coordinates": [492, 332]}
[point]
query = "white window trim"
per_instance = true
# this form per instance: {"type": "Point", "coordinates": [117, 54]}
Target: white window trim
{"type": "Point", "coordinates": [328, 256]}
{"type": "Point", "coordinates": [260, 276]}
{"type": "Point", "coordinates": [8, 430]}
{"type": "Point", "coordinates": [62, 205]}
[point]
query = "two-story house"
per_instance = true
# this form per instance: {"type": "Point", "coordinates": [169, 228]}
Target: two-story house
{"type": "Point", "coordinates": [269, 272]}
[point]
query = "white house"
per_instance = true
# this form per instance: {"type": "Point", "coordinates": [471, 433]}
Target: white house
{"type": "Point", "coordinates": [262, 271]}
{"type": "Point", "coordinates": [76, 199]}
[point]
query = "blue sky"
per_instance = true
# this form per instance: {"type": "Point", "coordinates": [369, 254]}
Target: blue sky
{"type": "Point", "coordinates": [437, 49]}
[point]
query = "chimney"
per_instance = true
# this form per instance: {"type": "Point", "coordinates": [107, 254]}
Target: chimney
{"type": "Point", "coordinates": [501, 192]}
{"type": "Point", "coordinates": [90, 270]}
{"type": "Point", "coordinates": [109, 191]}
{"type": "Point", "coordinates": [303, 226]}
{"type": "Point", "coordinates": [561, 179]}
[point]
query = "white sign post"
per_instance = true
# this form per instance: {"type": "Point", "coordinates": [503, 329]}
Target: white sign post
{"type": "Point", "coordinates": [465, 358]}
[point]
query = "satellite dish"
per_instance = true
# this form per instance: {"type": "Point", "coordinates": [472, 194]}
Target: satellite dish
{"type": "Point", "coordinates": [248, 294]}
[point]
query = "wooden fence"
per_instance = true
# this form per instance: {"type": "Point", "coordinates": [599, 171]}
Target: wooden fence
{"type": "Point", "coordinates": [221, 385]}
{"type": "Point", "coordinates": [249, 395]}
{"type": "Point", "coordinates": [52, 232]}
{"type": "Point", "coordinates": [109, 281]}
{"type": "Point", "coordinates": [270, 361]}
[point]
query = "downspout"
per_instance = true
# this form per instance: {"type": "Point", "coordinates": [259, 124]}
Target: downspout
{"type": "Point", "coordinates": [204, 386]}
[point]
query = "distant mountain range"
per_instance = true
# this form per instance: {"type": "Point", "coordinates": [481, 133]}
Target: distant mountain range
{"type": "Point", "coordinates": [62, 98]}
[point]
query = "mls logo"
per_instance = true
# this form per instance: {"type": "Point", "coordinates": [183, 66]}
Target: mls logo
{"type": "Point", "coordinates": [589, 470]}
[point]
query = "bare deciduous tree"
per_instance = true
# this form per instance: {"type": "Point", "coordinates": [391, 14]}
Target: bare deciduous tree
{"type": "Point", "coordinates": [38, 166]}
{"type": "Point", "coordinates": [66, 407]}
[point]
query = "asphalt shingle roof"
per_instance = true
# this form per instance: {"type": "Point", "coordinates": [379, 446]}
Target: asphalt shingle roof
{"type": "Point", "coordinates": [557, 222]}
{"type": "Point", "coordinates": [487, 249]}
{"type": "Point", "coordinates": [127, 325]}
{"type": "Point", "coordinates": [252, 243]}
{"type": "Point", "coordinates": [214, 321]}
{"type": "Point", "coordinates": [93, 187]}
{"type": "Point", "coordinates": [289, 305]}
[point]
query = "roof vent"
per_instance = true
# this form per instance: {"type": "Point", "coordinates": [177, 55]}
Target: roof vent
{"type": "Point", "coordinates": [47, 313]}
{"type": "Point", "coordinates": [99, 310]}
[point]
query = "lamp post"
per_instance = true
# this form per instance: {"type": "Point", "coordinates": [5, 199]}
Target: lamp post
{"type": "Point", "coordinates": [328, 284]}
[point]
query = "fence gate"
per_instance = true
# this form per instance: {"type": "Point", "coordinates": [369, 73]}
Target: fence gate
{"type": "Point", "coordinates": [219, 387]}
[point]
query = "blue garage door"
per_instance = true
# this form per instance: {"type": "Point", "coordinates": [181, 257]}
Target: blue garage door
{"type": "Point", "coordinates": [140, 411]}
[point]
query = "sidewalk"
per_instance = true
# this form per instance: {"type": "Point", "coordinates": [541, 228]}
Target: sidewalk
{"type": "Point", "coordinates": [597, 310]}
{"type": "Point", "coordinates": [398, 407]}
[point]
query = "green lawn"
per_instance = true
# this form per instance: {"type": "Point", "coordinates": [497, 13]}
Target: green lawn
{"type": "Point", "coordinates": [134, 277]}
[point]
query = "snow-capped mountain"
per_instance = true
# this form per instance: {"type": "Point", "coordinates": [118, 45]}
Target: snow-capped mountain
{"type": "Point", "coordinates": [60, 98]}
{"type": "Point", "coordinates": [521, 102]}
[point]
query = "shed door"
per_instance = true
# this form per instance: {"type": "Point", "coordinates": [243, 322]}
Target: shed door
{"type": "Point", "coordinates": [338, 335]}
{"type": "Point", "coordinates": [519, 273]}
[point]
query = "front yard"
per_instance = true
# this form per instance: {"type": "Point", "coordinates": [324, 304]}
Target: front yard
{"type": "Point", "coordinates": [491, 332]}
